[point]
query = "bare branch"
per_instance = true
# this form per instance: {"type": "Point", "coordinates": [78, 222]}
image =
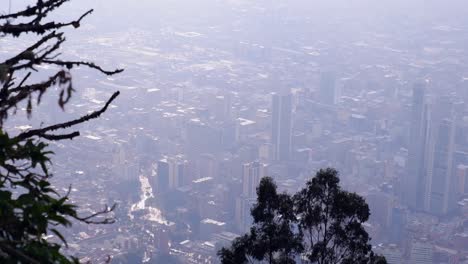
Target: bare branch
{"type": "Point", "coordinates": [43, 131]}
{"type": "Point", "coordinates": [32, 10]}
{"type": "Point", "coordinates": [60, 137]}
{"type": "Point", "coordinates": [24, 80]}
{"type": "Point", "coordinates": [18, 29]}
{"type": "Point", "coordinates": [70, 64]}
{"type": "Point", "coordinates": [36, 45]}
{"type": "Point", "coordinates": [25, 91]}
{"type": "Point", "coordinates": [90, 219]}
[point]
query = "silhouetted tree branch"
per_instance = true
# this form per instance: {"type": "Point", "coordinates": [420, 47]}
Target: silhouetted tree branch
{"type": "Point", "coordinates": [30, 208]}
{"type": "Point", "coordinates": [42, 131]}
{"type": "Point", "coordinates": [320, 223]}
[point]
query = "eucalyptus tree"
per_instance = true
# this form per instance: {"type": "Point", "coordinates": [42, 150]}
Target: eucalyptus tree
{"type": "Point", "coordinates": [320, 224]}
{"type": "Point", "coordinates": [331, 221]}
{"type": "Point", "coordinates": [271, 238]}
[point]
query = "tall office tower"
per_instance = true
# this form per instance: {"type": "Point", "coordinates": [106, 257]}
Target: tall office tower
{"type": "Point", "coordinates": [162, 176]}
{"type": "Point", "coordinates": [281, 126]}
{"type": "Point", "coordinates": [223, 106]}
{"type": "Point", "coordinates": [171, 173]}
{"type": "Point", "coordinates": [442, 177]}
{"type": "Point", "coordinates": [243, 218]}
{"type": "Point", "coordinates": [381, 205]}
{"type": "Point", "coordinates": [415, 180]}
{"type": "Point", "coordinates": [252, 173]}
{"type": "Point", "coordinates": [328, 93]}
{"type": "Point", "coordinates": [178, 177]}
{"type": "Point", "coordinates": [421, 252]}
{"type": "Point", "coordinates": [397, 230]}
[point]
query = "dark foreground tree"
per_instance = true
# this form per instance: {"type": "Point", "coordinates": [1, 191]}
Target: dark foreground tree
{"type": "Point", "coordinates": [30, 208]}
{"type": "Point", "coordinates": [320, 224]}
{"type": "Point", "coordinates": [331, 221]}
{"type": "Point", "coordinates": [272, 238]}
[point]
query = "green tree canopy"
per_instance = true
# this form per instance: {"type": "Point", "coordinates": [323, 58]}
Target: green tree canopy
{"type": "Point", "coordinates": [320, 224]}
{"type": "Point", "coordinates": [271, 237]}
{"type": "Point", "coordinates": [331, 219]}
{"type": "Point", "coordinates": [30, 208]}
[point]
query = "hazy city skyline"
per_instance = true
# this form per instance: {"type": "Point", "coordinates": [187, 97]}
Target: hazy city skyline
{"type": "Point", "coordinates": [217, 94]}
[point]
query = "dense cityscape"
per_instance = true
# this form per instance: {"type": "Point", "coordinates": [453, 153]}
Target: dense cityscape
{"type": "Point", "coordinates": [212, 103]}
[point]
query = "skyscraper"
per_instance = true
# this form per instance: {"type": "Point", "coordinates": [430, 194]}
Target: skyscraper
{"type": "Point", "coordinates": [442, 178]}
{"type": "Point", "coordinates": [162, 176]}
{"type": "Point", "coordinates": [415, 180]}
{"type": "Point", "coordinates": [281, 126]}
{"type": "Point", "coordinates": [328, 93]}
{"type": "Point", "coordinates": [396, 230]}
{"type": "Point", "coordinates": [440, 185]}
{"type": "Point", "coordinates": [171, 173]}
{"type": "Point", "coordinates": [243, 218]}
{"type": "Point", "coordinates": [223, 106]}
{"type": "Point", "coordinates": [252, 173]}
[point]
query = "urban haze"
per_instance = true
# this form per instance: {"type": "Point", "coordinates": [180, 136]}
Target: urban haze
{"type": "Point", "coordinates": [217, 94]}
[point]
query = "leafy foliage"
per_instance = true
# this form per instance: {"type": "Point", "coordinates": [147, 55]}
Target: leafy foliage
{"type": "Point", "coordinates": [331, 221]}
{"type": "Point", "coordinates": [30, 209]}
{"type": "Point", "coordinates": [320, 224]}
{"type": "Point", "coordinates": [271, 237]}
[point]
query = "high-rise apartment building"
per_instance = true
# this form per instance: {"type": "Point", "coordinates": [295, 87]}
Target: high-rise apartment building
{"type": "Point", "coordinates": [281, 126]}
{"type": "Point", "coordinates": [415, 179]}
{"type": "Point", "coordinates": [252, 173]}
{"type": "Point", "coordinates": [171, 173]}
{"type": "Point", "coordinates": [440, 185]}
{"type": "Point", "coordinates": [243, 218]}
{"type": "Point", "coordinates": [442, 177]}
{"type": "Point", "coordinates": [328, 90]}
{"type": "Point", "coordinates": [162, 176]}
